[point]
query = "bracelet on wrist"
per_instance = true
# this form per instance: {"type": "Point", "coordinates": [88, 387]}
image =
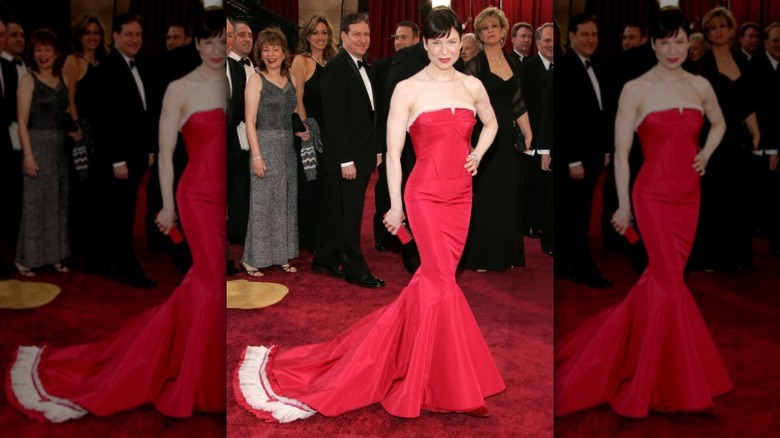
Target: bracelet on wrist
{"type": "Point", "coordinates": [475, 157]}
{"type": "Point", "coordinates": [257, 158]}
{"type": "Point", "coordinates": [30, 158]}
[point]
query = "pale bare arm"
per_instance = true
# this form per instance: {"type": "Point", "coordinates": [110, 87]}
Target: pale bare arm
{"type": "Point", "coordinates": [625, 121]}
{"type": "Point", "coordinates": [717, 122]}
{"type": "Point", "coordinates": [298, 73]}
{"type": "Point", "coordinates": [397, 118]}
{"type": "Point", "coordinates": [170, 119]}
{"type": "Point", "coordinates": [251, 101]}
{"type": "Point", "coordinates": [486, 116]}
{"type": "Point", "coordinates": [70, 73]}
{"type": "Point", "coordinates": [24, 94]}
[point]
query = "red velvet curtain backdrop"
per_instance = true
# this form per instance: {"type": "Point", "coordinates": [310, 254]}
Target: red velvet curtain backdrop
{"type": "Point", "coordinates": [156, 16]}
{"type": "Point", "coordinates": [384, 17]}
{"type": "Point", "coordinates": [762, 12]}
{"type": "Point", "coordinates": [285, 8]}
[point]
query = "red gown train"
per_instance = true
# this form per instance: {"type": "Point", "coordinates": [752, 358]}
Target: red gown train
{"type": "Point", "coordinates": [172, 355]}
{"type": "Point", "coordinates": [653, 350]}
{"type": "Point", "coordinates": [422, 351]}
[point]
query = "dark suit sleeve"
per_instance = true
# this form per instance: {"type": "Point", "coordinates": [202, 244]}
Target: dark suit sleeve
{"type": "Point", "coordinates": [334, 108]}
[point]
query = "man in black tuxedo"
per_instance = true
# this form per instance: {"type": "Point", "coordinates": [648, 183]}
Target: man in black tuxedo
{"type": "Point", "coordinates": [522, 39]}
{"type": "Point", "coordinates": [127, 135]}
{"type": "Point", "coordinates": [239, 68]}
{"type": "Point", "coordinates": [582, 145]}
{"type": "Point", "coordinates": [765, 74]}
{"type": "Point", "coordinates": [349, 108]}
{"type": "Point", "coordinates": [535, 183]}
{"type": "Point", "coordinates": [406, 35]}
{"type": "Point", "coordinates": [10, 159]}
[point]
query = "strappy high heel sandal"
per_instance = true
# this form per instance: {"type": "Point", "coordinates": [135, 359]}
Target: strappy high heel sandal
{"type": "Point", "coordinates": [288, 268]}
{"type": "Point", "coordinates": [62, 269]}
{"type": "Point", "coordinates": [24, 271]}
{"type": "Point", "coordinates": [251, 271]}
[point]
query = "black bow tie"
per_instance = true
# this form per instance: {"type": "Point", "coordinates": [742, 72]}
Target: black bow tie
{"type": "Point", "coordinates": [245, 61]}
{"type": "Point", "coordinates": [588, 65]}
{"type": "Point", "coordinates": [18, 61]}
{"type": "Point", "coordinates": [132, 64]}
{"type": "Point", "coordinates": [361, 64]}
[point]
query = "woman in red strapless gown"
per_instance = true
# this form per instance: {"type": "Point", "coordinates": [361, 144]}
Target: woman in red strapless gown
{"type": "Point", "coordinates": [173, 355]}
{"type": "Point", "coordinates": [653, 350]}
{"type": "Point", "coordinates": [424, 350]}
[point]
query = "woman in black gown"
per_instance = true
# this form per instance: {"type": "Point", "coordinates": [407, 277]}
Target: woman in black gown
{"type": "Point", "coordinates": [723, 238]}
{"type": "Point", "coordinates": [495, 240]}
{"type": "Point", "coordinates": [316, 46]}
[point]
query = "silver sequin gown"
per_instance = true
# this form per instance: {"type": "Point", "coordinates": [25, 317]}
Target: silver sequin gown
{"type": "Point", "coordinates": [272, 228]}
{"type": "Point", "coordinates": [43, 232]}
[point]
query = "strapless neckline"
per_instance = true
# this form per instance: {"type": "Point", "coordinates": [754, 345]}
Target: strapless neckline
{"type": "Point", "coordinates": [679, 109]}
{"type": "Point", "coordinates": [198, 112]}
{"type": "Point", "coordinates": [451, 109]}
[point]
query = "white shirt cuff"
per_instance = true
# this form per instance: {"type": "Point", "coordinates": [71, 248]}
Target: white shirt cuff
{"type": "Point", "coordinates": [770, 151]}
{"type": "Point", "coordinates": [120, 164]}
{"type": "Point", "coordinates": [347, 164]}
{"type": "Point", "coordinates": [543, 151]}
{"type": "Point", "coordinates": [575, 164]}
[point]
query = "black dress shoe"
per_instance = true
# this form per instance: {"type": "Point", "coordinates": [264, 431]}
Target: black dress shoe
{"type": "Point", "coordinates": [534, 233]}
{"type": "Point", "coordinates": [368, 281]}
{"type": "Point", "coordinates": [595, 281]}
{"type": "Point", "coordinates": [140, 281]}
{"type": "Point", "coordinates": [381, 247]}
{"type": "Point", "coordinates": [322, 269]}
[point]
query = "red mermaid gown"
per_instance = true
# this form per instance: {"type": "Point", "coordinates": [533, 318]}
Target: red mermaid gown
{"type": "Point", "coordinates": [422, 351]}
{"type": "Point", "coordinates": [172, 355]}
{"type": "Point", "coordinates": [653, 350]}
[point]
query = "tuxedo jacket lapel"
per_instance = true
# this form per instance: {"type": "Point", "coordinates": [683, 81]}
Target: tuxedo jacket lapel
{"type": "Point", "coordinates": [353, 67]}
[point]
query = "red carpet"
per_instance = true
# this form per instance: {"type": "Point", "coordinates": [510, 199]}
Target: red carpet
{"type": "Point", "coordinates": [513, 309]}
{"type": "Point", "coordinates": [88, 308]}
{"type": "Point", "coordinates": [742, 311]}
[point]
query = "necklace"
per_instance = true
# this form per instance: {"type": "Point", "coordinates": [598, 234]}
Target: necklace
{"type": "Point", "coordinates": [497, 59]}
{"type": "Point", "coordinates": [277, 81]}
{"type": "Point", "coordinates": [443, 81]}
{"type": "Point", "coordinates": [320, 61]}
{"type": "Point", "coordinates": [658, 75]}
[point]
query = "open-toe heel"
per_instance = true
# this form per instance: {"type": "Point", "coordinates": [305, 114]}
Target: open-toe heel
{"type": "Point", "coordinates": [251, 271]}
{"type": "Point", "coordinates": [24, 271]}
{"type": "Point", "coordinates": [288, 268]}
{"type": "Point", "coordinates": [62, 269]}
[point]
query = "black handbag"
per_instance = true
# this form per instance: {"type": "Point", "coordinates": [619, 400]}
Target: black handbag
{"type": "Point", "coordinates": [519, 139]}
{"type": "Point", "coordinates": [297, 123]}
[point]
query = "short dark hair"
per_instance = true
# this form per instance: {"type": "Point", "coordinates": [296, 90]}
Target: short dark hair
{"type": "Point", "coordinates": [642, 30]}
{"type": "Point", "coordinates": [211, 24]}
{"type": "Point", "coordinates": [122, 19]}
{"type": "Point", "coordinates": [669, 21]}
{"type": "Point", "coordinates": [44, 37]}
{"type": "Point", "coordinates": [440, 22]}
{"type": "Point", "coordinates": [351, 19]}
{"type": "Point", "coordinates": [749, 25]}
{"type": "Point", "coordinates": [582, 18]}
{"type": "Point", "coordinates": [522, 24]}
{"type": "Point", "coordinates": [182, 25]}
{"type": "Point", "coordinates": [411, 25]}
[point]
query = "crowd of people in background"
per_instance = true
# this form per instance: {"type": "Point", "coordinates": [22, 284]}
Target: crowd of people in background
{"type": "Point", "coordinates": [740, 188]}
{"type": "Point", "coordinates": [65, 143]}
{"type": "Point", "coordinates": [305, 190]}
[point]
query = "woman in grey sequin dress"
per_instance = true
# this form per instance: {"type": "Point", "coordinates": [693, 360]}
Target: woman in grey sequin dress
{"type": "Point", "coordinates": [272, 228]}
{"type": "Point", "coordinates": [43, 105]}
